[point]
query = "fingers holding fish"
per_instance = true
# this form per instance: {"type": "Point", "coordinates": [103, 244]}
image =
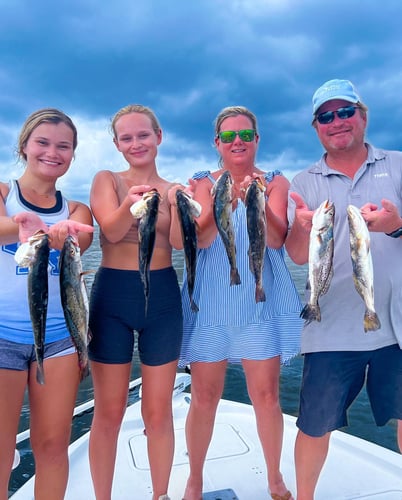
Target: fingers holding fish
{"type": "Point", "coordinates": [135, 193]}
{"type": "Point", "coordinates": [61, 230]}
{"type": "Point", "coordinates": [385, 219]}
{"type": "Point", "coordinates": [28, 224]}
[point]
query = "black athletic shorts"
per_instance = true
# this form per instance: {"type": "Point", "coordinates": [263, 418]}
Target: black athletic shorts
{"type": "Point", "coordinates": [117, 310]}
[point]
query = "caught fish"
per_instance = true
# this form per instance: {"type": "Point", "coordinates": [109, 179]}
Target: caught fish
{"type": "Point", "coordinates": [74, 300]}
{"type": "Point", "coordinates": [34, 254]}
{"type": "Point", "coordinates": [362, 265]}
{"type": "Point", "coordinates": [146, 210]}
{"type": "Point", "coordinates": [222, 207]}
{"type": "Point", "coordinates": [320, 262]}
{"type": "Point", "coordinates": [187, 209]}
{"type": "Point", "coordinates": [256, 228]}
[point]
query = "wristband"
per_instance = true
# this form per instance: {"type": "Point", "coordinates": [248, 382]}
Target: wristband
{"type": "Point", "coordinates": [395, 234]}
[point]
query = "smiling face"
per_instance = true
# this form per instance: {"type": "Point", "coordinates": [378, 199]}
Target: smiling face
{"type": "Point", "coordinates": [341, 134]}
{"type": "Point", "coordinates": [136, 138]}
{"type": "Point", "coordinates": [238, 152]}
{"type": "Point", "coordinates": [49, 149]}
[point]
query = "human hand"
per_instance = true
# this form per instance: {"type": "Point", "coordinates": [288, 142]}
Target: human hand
{"type": "Point", "coordinates": [383, 220]}
{"type": "Point", "coordinates": [303, 215]}
{"type": "Point", "coordinates": [28, 224]}
{"type": "Point", "coordinates": [58, 232]}
{"type": "Point", "coordinates": [135, 193]}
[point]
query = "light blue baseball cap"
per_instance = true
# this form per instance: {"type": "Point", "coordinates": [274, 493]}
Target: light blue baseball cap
{"type": "Point", "coordinates": [335, 89]}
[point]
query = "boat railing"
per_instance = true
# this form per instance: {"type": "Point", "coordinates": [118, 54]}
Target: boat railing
{"type": "Point", "coordinates": [182, 381]}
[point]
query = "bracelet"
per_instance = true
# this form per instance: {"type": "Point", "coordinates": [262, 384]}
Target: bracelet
{"type": "Point", "coordinates": [395, 234]}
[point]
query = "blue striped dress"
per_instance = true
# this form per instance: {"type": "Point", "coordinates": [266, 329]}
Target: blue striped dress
{"type": "Point", "coordinates": [230, 324]}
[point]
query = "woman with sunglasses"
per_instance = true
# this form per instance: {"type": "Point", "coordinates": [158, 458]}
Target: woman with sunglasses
{"type": "Point", "coordinates": [230, 326]}
{"type": "Point", "coordinates": [46, 146]}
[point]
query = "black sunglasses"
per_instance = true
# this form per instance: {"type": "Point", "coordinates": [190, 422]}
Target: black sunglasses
{"type": "Point", "coordinates": [342, 113]}
{"type": "Point", "coordinates": [246, 135]}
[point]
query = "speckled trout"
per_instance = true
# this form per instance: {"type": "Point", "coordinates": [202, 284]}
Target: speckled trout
{"type": "Point", "coordinates": [34, 254]}
{"type": "Point", "coordinates": [222, 208]}
{"type": "Point", "coordinates": [74, 300]}
{"type": "Point", "coordinates": [256, 228]}
{"type": "Point", "coordinates": [362, 266]}
{"type": "Point", "coordinates": [320, 261]}
{"type": "Point", "coordinates": [187, 209]}
{"type": "Point", "coordinates": [146, 210]}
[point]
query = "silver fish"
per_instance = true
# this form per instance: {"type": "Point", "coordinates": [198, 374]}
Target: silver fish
{"type": "Point", "coordinates": [321, 252]}
{"type": "Point", "coordinates": [35, 255]}
{"type": "Point", "coordinates": [74, 300]}
{"type": "Point", "coordinates": [187, 209]}
{"type": "Point", "coordinates": [222, 208]}
{"type": "Point", "coordinates": [256, 228]}
{"type": "Point", "coordinates": [362, 266]}
{"type": "Point", "coordinates": [146, 210]}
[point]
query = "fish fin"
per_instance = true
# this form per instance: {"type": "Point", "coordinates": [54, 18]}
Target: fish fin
{"type": "Point", "coordinates": [40, 374]}
{"type": "Point", "coordinates": [88, 271]}
{"type": "Point", "coordinates": [194, 306]}
{"type": "Point", "coordinates": [84, 369]}
{"type": "Point", "coordinates": [234, 277]}
{"type": "Point", "coordinates": [371, 321]}
{"type": "Point", "coordinates": [311, 313]}
{"type": "Point", "coordinates": [260, 294]}
{"type": "Point", "coordinates": [89, 336]}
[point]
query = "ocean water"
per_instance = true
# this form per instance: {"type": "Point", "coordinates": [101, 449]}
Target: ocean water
{"type": "Point", "coordinates": [361, 422]}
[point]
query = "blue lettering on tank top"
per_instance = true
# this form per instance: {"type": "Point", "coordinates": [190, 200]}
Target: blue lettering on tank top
{"type": "Point", "coordinates": [54, 256]}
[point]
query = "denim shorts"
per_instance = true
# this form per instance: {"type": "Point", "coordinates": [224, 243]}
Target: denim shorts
{"type": "Point", "coordinates": [117, 310]}
{"type": "Point", "coordinates": [16, 356]}
{"type": "Point", "coordinates": [332, 381]}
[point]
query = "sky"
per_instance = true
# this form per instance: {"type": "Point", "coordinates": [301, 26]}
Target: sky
{"type": "Point", "coordinates": [188, 60]}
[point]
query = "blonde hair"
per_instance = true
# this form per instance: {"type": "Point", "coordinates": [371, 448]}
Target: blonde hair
{"type": "Point", "coordinates": [135, 108]}
{"type": "Point", "coordinates": [234, 111]}
{"type": "Point", "coordinates": [46, 115]}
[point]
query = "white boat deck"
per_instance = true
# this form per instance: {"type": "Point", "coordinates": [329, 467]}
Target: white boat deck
{"type": "Point", "coordinates": [355, 469]}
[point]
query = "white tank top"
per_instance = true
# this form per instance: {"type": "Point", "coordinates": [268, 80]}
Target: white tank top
{"type": "Point", "coordinates": [15, 322]}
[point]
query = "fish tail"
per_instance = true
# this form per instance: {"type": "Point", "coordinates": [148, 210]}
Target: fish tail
{"type": "Point", "coordinates": [311, 312]}
{"type": "Point", "coordinates": [40, 374]}
{"type": "Point", "coordinates": [260, 294]}
{"type": "Point", "coordinates": [371, 321]}
{"type": "Point", "coordinates": [84, 369]}
{"type": "Point", "coordinates": [194, 306]}
{"type": "Point", "coordinates": [234, 277]}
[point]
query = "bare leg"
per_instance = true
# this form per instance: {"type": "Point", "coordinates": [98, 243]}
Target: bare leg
{"type": "Point", "coordinates": [111, 392]}
{"type": "Point", "coordinates": [263, 388]}
{"type": "Point", "coordinates": [157, 388]}
{"type": "Point", "coordinates": [51, 407]}
{"type": "Point", "coordinates": [207, 382]}
{"type": "Point", "coordinates": [310, 456]}
{"type": "Point", "coordinates": [12, 387]}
